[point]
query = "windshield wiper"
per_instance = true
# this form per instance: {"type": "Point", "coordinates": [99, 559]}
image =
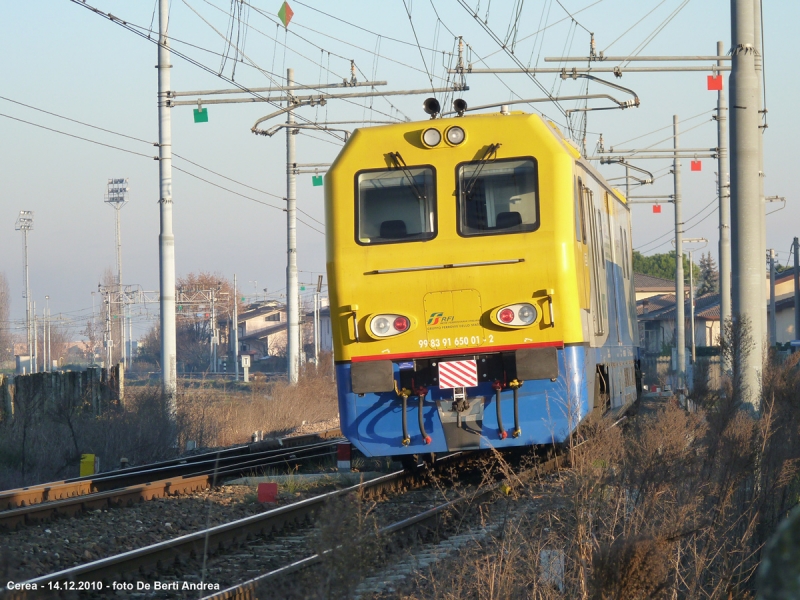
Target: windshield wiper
{"type": "Point", "coordinates": [490, 151]}
{"type": "Point", "coordinates": [401, 164]}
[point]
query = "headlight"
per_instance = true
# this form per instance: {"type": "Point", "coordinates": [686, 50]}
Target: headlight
{"type": "Point", "coordinates": [455, 135]}
{"type": "Point", "coordinates": [387, 325]}
{"type": "Point", "coordinates": [431, 137]}
{"type": "Point", "coordinates": [516, 315]}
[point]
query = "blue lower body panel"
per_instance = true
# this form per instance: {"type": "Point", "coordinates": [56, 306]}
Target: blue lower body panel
{"type": "Point", "coordinates": [549, 411]}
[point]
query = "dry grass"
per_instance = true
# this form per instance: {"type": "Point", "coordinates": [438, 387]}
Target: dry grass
{"type": "Point", "coordinates": [41, 444]}
{"type": "Point", "coordinates": [214, 417]}
{"type": "Point", "coordinates": [674, 505]}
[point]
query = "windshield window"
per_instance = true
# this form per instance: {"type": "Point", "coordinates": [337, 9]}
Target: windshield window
{"type": "Point", "coordinates": [396, 205]}
{"type": "Point", "coordinates": [498, 197]}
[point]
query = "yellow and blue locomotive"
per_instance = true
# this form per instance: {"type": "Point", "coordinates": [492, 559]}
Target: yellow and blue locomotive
{"type": "Point", "coordinates": [480, 285]}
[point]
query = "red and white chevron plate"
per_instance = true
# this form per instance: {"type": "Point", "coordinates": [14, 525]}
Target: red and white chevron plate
{"type": "Point", "coordinates": [458, 373]}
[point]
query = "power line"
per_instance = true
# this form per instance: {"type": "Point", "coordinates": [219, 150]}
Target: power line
{"type": "Point", "coordinates": [513, 57]}
{"type": "Point", "coordinates": [78, 137]}
{"type": "Point", "coordinates": [414, 31]}
{"type": "Point", "coordinates": [700, 114]}
{"type": "Point", "coordinates": [671, 231]}
{"type": "Point", "coordinates": [269, 74]}
{"type": "Point", "coordinates": [530, 35]}
{"type": "Point", "coordinates": [190, 60]}
{"type": "Point", "coordinates": [248, 197]}
{"type": "Point", "coordinates": [624, 33]}
{"type": "Point", "coordinates": [130, 137]}
{"type": "Point", "coordinates": [358, 26]}
{"type": "Point", "coordinates": [656, 31]}
{"type": "Point", "coordinates": [177, 168]}
{"type": "Point", "coordinates": [574, 20]}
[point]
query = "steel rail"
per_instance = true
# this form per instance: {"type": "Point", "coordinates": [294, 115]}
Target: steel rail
{"type": "Point", "coordinates": [163, 553]}
{"type": "Point", "coordinates": [248, 590]}
{"type": "Point", "coordinates": [149, 558]}
{"type": "Point", "coordinates": [43, 511]}
{"type": "Point", "coordinates": [59, 490]}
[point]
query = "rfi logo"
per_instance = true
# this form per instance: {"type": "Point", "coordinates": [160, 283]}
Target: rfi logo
{"type": "Point", "coordinates": [436, 317]}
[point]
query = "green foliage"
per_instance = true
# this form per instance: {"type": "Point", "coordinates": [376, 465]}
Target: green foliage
{"type": "Point", "coordinates": [709, 277]}
{"type": "Point", "coordinates": [661, 265]}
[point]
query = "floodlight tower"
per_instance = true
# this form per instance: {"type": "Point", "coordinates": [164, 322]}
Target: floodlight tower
{"type": "Point", "coordinates": [25, 224]}
{"type": "Point", "coordinates": [117, 196]}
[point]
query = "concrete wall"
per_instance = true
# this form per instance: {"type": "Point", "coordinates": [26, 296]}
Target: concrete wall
{"type": "Point", "coordinates": [94, 390]}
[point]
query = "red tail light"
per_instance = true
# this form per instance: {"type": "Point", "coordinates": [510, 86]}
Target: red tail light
{"type": "Point", "coordinates": [401, 324]}
{"type": "Point", "coordinates": [506, 315]}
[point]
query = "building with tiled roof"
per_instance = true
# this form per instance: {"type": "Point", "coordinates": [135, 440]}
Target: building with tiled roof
{"type": "Point", "coordinates": [647, 286]}
{"type": "Point", "coordinates": [656, 317]}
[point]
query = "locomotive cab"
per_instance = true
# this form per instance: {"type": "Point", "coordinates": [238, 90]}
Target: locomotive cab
{"type": "Point", "coordinates": [460, 295]}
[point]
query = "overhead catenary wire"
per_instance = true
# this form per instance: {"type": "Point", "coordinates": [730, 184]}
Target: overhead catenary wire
{"type": "Point", "coordinates": [644, 247]}
{"type": "Point", "coordinates": [135, 29]}
{"type": "Point", "coordinates": [513, 57]}
{"type": "Point", "coordinates": [414, 31]}
{"type": "Point", "coordinates": [574, 20]}
{"type": "Point", "coordinates": [644, 43]}
{"type": "Point", "coordinates": [271, 75]}
{"type": "Point", "coordinates": [530, 35]}
{"type": "Point", "coordinates": [629, 29]}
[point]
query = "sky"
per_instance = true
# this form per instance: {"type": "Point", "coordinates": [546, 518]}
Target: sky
{"type": "Point", "coordinates": [62, 58]}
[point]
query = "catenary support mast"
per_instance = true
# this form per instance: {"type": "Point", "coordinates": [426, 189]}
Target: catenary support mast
{"type": "Point", "coordinates": [292, 312]}
{"type": "Point", "coordinates": [680, 320]}
{"type": "Point", "coordinates": [724, 191]}
{"type": "Point", "coordinates": [747, 252]}
{"type": "Point", "coordinates": [166, 237]}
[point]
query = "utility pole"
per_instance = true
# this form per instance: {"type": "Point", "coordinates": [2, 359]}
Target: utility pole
{"type": "Point", "coordinates": [691, 290]}
{"type": "Point", "coordinates": [680, 319]}
{"type": "Point", "coordinates": [746, 209]}
{"type": "Point", "coordinates": [108, 340]}
{"type": "Point", "coordinates": [796, 249]}
{"type": "Point", "coordinates": [213, 331]}
{"type": "Point", "coordinates": [25, 224]}
{"type": "Point", "coordinates": [117, 197]}
{"type": "Point", "coordinates": [724, 191]}
{"type": "Point", "coordinates": [773, 332]}
{"type": "Point", "coordinates": [166, 237]}
{"type": "Point", "coordinates": [236, 326]}
{"type": "Point", "coordinates": [48, 363]}
{"type": "Point", "coordinates": [35, 342]}
{"type": "Point", "coordinates": [129, 352]}
{"type": "Point", "coordinates": [759, 68]}
{"type": "Point", "coordinates": [316, 321]}
{"type": "Point", "coordinates": [292, 309]}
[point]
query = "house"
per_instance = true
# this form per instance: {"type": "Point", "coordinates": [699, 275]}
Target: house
{"type": "Point", "coordinates": [647, 286]}
{"type": "Point", "coordinates": [263, 330]}
{"type": "Point", "coordinates": [784, 306]}
{"type": "Point", "coordinates": [656, 317]}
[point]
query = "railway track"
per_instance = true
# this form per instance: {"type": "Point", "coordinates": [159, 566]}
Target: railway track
{"type": "Point", "coordinates": [177, 558]}
{"type": "Point", "coordinates": [180, 476]}
{"type": "Point", "coordinates": [101, 574]}
{"type": "Point", "coordinates": [419, 526]}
